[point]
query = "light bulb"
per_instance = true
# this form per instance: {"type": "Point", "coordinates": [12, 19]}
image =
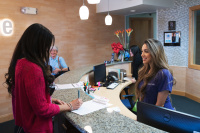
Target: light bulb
{"type": "Point", "coordinates": [84, 12]}
{"type": "Point", "coordinates": [93, 1]}
{"type": "Point", "coordinates": [108, 20]}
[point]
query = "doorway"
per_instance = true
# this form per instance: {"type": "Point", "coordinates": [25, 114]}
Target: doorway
{"type": "Point", "coordinates": [142, 30]}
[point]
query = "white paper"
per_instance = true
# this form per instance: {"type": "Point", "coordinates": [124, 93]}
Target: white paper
{"type": "Point", "coordinates": [89, 107]}
{"type": "Point", "coordinates": [63, 86]}
{"type": "Point", "coordinates": [128, 78]}
{"type": "Point", "coordinates": [78, 85]}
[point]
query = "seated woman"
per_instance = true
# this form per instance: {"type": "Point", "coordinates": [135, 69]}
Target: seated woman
{"type": "Point", "coordinates": [155, 79]}
{"type": "Point", "coordinates": [57, 63]}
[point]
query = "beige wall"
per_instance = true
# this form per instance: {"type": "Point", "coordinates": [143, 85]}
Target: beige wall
{"type": "Point", "coordinates": [179, 74]}
{"type": "Point", "coordinates": [188, 82]}
{"type": "Point", "coordinates": [79, 42]}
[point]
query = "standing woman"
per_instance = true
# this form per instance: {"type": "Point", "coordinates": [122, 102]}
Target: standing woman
{"type": "Point", "coordinates": [155, 79]}
{"type": "Point", "coordinates": [28, 81]}
{"type": "Point", "coordinates": [135, 52]}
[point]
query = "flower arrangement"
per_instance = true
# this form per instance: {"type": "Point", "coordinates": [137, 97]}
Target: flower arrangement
{"type": "Point", "coordinates": [121, 48]}
{"type": "Point", "coordinates": [117, 47]}
{"type": "Point", "coordinates": [121, 35]}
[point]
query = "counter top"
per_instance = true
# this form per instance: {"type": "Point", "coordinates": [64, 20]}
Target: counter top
{"type": "Point", "coordinates": [100, 121]}
{"type": "Point", "coordinates": [75, 75]}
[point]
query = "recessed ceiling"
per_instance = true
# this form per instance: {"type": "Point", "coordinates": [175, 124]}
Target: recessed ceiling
{"type": "Point", "coordinates": [124, 7]}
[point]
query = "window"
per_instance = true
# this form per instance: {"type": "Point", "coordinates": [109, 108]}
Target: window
{"type": "Point", "coordinates": [194, 37]}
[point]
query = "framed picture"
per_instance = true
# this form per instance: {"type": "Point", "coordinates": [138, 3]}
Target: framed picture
{"type": "Point", "coordinates": [172, 25]}
{"type": "Point", "coordinates": [172, 38]}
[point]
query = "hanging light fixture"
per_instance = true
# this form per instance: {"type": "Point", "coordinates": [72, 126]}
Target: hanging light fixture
{"type": "Point", "coordinates": [84, 12]}
{"type": "Point", "coordinates": [108, 18]}
{"type": "Point", "coordinates": [93, 1]}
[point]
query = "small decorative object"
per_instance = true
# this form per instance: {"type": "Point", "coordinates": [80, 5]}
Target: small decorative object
{"type": "Point", "coordinates": [126, 55]}
{"type": "Point", "coordinates": [172, 25]}
{"type": "Point", "coordinates": [112, 58]}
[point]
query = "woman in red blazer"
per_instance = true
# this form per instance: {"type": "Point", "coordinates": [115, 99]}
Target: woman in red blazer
{"type": "Point", "coordinates": [28, 81]}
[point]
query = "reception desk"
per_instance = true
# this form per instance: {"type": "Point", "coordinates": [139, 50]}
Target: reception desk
{"type": "Point", "coordinates": [101, 121]}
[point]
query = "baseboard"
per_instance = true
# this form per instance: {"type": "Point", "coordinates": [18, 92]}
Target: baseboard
{"type": "Point", "coordinates": [195, 98]}
{"type": "Point", "coordinates": [6, 117]}
{"type": "Point", "coordinates": [180, 93]}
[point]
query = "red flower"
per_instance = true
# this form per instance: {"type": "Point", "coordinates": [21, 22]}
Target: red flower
{"type": "Point", "coordinates": [117, 47]}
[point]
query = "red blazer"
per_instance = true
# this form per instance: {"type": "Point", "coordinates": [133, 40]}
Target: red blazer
{"type": "Point", "coordinates": [32, 107]}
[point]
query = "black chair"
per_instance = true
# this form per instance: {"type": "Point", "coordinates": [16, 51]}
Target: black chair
{"type": "Point", "coordinates": [60, 73]}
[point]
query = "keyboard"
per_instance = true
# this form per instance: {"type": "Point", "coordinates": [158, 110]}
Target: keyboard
{"type": "Point", "coordinates": [112, 85]}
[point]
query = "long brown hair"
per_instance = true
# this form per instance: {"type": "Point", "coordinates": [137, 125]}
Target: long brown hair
{"type": "Point", "coordinates": [34, 45]}
{"type": "Point", "coordinates": [159, 61]}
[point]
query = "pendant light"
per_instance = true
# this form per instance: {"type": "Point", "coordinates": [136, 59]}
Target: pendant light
{"type": "Point", "coordinates": [84, 12]}
{"type": "Point", "coordinates": [93, 1]}
{"type": "Point", "coordinates": [108, 18]}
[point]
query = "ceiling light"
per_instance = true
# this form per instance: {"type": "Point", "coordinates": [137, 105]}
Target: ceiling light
{"type": "Point", "coordinates": [132, 10]}
{"type": "Point", "coordinates": [93, 1]}
{"type": "Point", "coordinates": [108, 18]}
{"type": "Point", "coordinates": [84, 12]}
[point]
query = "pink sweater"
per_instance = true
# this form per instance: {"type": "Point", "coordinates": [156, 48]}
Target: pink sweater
{"type": "Point", "coordinates": [32, 107]}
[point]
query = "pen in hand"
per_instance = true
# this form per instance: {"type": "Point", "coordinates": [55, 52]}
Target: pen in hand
{"type": "Point", "coordinates": [78, 94]}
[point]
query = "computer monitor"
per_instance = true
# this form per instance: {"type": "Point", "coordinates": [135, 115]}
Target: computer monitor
{"type": "Point", "coordinates": [168, 120]}
{"type": "Point", "coordinates": [99, 73]}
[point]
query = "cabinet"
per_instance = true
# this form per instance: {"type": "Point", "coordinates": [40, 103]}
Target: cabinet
{"type": "Point", "coordinates": [62, 125]}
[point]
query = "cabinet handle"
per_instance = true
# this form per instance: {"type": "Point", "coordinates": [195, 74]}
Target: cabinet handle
{"type": "Point", "coordinates": [63, 125]}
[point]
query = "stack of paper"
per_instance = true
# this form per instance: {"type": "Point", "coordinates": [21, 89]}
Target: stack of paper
{"type": "Point", "coordinates": [68, 86]}
{"type": "Point", "coordinates": [89, 107]}
{"type": "Point", "coordinates": [63, 86]}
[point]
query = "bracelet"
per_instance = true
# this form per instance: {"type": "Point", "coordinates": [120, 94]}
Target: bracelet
{"type": "Point", "coordinates": [70, 105]}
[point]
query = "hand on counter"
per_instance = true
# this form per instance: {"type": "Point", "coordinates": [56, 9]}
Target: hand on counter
{"type": "Point", "coordinates": [57, 101]}
{"type": "Point", "coordinates": [76, 103]}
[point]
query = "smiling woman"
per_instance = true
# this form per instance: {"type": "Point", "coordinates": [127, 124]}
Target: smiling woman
{"type": "Point", "coordinates": [57, 63]}
{"type": "Point", "coordinates": [155, 79]}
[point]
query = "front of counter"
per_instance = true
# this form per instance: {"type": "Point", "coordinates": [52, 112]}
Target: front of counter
{"type": "Point", "coordinates": [100, 121]}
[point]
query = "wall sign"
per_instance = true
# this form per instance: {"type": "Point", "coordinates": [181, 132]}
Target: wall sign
{"type": "Point", "coordinates": [6, 26]}
{"type": "Point", "coordinates": [172, 38]}
{"type": "Point", "coordinates": [172, 25]}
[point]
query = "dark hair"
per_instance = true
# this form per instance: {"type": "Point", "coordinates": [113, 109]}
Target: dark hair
{"type": "Point", "coordinates": [135, 50]}
{"type": "Point", "coordinates": [34, 45]}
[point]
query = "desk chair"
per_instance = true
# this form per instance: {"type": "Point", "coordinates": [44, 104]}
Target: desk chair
{"type": "Point", "coordinates": [128, 101]}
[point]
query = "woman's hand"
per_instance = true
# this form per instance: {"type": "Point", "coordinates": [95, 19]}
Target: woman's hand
{"type": "Point", "coordinates": [57, 101]}
{"type": "Point", "coordinates": [76, 103]}
{"type": "Point", "coordinates": [56, 70]}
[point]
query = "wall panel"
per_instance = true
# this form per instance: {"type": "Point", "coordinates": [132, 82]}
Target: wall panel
{"type": "Point", "coordinates": [79, 42]}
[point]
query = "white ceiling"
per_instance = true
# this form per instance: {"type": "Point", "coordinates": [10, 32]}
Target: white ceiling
{"type": "Point", "coordinates": [124, 7]}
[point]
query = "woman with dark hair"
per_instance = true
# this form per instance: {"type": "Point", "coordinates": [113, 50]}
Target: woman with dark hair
{"type": "Point", "coordinates": [155, 80]}
{"type": "Point", "coordinates": [28, 81]}
{"type": "Point", "coordinates": [135, 52]}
